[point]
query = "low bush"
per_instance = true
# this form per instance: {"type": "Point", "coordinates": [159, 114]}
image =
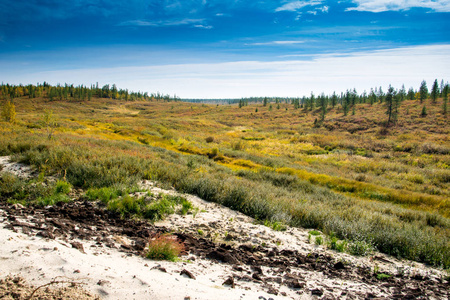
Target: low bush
{"type": "Point", "coordinates": [360, 248]}
{"type": "Point", "coordinates": [164, 247]}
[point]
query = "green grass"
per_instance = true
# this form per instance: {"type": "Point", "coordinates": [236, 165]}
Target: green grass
{"type": "Point", "coordinates": [382, 276]}
{"type": "Point", "coordinates": [32, 192]}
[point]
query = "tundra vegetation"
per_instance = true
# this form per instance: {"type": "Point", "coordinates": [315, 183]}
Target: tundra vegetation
{"type": "Point", "coordinates": [375, 178]}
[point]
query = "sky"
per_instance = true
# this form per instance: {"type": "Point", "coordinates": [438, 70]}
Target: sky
{"type": "Point", "coordinates": [226, 49]}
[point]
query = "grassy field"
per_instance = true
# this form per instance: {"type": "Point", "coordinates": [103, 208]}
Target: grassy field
{"type": "Point", "coordinates": [349, 176]}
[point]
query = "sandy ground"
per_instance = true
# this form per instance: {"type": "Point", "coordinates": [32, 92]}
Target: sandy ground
{"type": "Point", "coordinates": [111, 273]}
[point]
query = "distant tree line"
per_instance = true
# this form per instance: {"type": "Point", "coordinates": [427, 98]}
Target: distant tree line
{"type": "Point", "coordinates": [80, 92]}
{"type": "Point", "coordinates": [391, 99]}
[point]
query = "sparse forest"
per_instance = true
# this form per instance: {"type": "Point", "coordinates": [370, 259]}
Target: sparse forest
{"type": "Point", "coordinates": [370, 169]}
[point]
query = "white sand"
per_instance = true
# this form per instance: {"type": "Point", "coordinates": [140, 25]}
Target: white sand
{"type": "Point", "coordinates": [111, 274]}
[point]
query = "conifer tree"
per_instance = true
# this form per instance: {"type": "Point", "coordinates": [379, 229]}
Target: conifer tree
{"type": "Point", "coordinates": [323, 106]}
{"type": "Point", "coordinates": [424, 111]}
{"type": "Point", "coordinates": [391, 109]}
{"type": "Point", "coordinates": [333, 99]}
{"type": "Point", "coordinates": [423, 91]}
{"type": "Point", "coordinates": [372, 97]}
{"type": "Point", "coordinates": [380, 95]}
{"type": "Point", "coordinates": [402, 93]}
{"type": "Point", "coordinates": [434, 91]}
{"type": "Point", "coordinates": [411, 94]}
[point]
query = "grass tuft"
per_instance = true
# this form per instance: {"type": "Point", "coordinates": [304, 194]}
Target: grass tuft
{"type": "Point", "coordinates": [164, 247]}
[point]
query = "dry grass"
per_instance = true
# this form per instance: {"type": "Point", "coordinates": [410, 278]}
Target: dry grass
{"type": "Point", "coordinates": [388, 188]}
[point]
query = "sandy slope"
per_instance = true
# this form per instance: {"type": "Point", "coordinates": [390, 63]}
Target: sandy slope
{"type": "Point", "coordinates": [112, 274]}
{"type": "Point", "coordinates": [287, 264]}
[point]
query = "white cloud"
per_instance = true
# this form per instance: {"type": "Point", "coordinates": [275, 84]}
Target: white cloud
{"type": "Point", "coordinates": [203, 26]}
{"type": "Point", "coordinates": [397, 5]}
{"type": "Point", "coordinates": [274, 43]}
{"type": "Point", "coordinates": [324, 9]}
{"type": "Point", "coordinates": [296, 5]}
{"type": "Point", "coordinates": [164, 23]}
{"type": "Point", "coordinates": [324, 73]}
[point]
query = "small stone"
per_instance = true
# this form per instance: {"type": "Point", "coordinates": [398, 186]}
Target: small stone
{"type": "Point", "coordinates": [317, 292]}
{"type": "Point", "coordinates": [339, 266]}
{"type": "Point", "coordinates": [256, 276]}
{"type": "Point", "coordinates": [79, 246]}
{"type": "Point", "coordinates": [77, 271]}
{"type": "Point", "coordinates": [187, 273]}
{"type": "Point", "coordinates": [229, 281]}
{"type": "Point", "coordinates": [294, 283]}
{"type": "Point", "coordinates": [102, 282]}
{"type": "Point", "coordinates": [272, 291]}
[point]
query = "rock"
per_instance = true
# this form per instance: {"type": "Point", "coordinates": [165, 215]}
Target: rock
{"type": "Point", "coordinates": [257, 269]}
{"type": "Point", "coordinates": [46, 234]}
{"type": "Point", "coordinates": [26, 230]}
{"type": "Point", "coordinates": [223, 256]}
{"type": "Point", "coordinates": [317, 292]}
{"type": "Point", "coordinates": [257, 276]}
{"type": "Point", "coordinates": [278, 280]}
{"type": "Point", "coordinates": [229, 281]}
{"type": "Point", "coordinates": [139, 244]}
{"type": "Point", "coordinates": [272, 291]}
{"type": "Point", "coordinates": [187, 273]}
{"type": "Point", "coordinates": [79, 246]}
{"type": "Point", "coordinates": [238, 268]}
{"type": "Point", "coordinates": [339, 266]}
{"type": "Point", "coordinates": [102, 282]}
{"type": "Point", "coordinates": [294, 283]}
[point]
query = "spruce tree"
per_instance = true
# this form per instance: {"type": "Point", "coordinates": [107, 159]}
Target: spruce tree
{"type": "Point", "coordinates": [390, 105]}
{"type": "Point", "coordinates": [424, 111]}
{"type": "Point", "coordinates": [423, 91]}
{"type": "Point", "coordinates": [434, 91]}
{"type": "Point", "coordinates": [411, 94]}
{"type": "Point", "coordinates": [333, 99]}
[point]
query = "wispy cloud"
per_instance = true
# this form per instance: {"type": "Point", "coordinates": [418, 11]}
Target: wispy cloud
{"type": "Point", "coordinates": [324, 73]}
{"type": "Point", "coordinates": [389, 5]}
{"type": "Point", "coordinates": [275, 43]}
{"type": "Point", "coordinates": [164, 23]}
{"type": "Point", "coordinates": [203, 26]}
{"type": "Point", "coordinates": [323, 9]}
{"type": "Point", "coordinates": [296, 5]}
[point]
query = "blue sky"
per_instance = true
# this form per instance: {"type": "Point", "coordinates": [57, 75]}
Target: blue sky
{"type": "Point", "coordinates": [222, 49]}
